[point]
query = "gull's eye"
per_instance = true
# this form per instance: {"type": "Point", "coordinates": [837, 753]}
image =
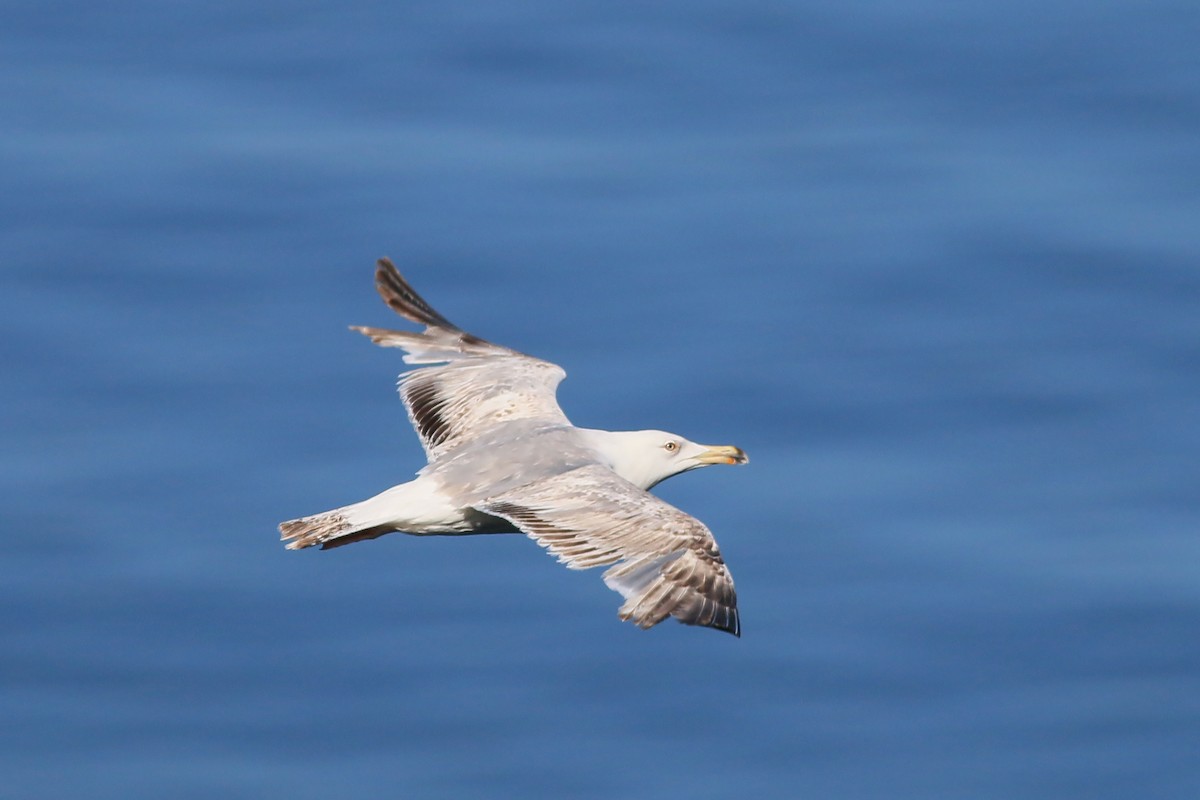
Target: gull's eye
{"type": "Point", "coordinates": [671, 447]}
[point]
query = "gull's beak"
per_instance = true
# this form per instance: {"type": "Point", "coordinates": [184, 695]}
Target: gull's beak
{"type": "Point", "coordinates": [723, 454]}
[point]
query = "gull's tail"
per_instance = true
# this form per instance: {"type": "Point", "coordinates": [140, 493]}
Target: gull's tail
{"type": "Point", "coordinates": [353, 523]}
{"type": "Point", "coordinates": [410, 507]}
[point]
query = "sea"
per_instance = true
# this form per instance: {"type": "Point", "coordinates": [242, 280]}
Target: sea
{"type": "Point", "coordinates": [935, 267]}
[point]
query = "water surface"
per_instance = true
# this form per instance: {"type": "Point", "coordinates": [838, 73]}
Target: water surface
{"type": "Point", "coordinates": [933, 267]}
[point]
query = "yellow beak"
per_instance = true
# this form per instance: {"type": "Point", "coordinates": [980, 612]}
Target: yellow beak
{"type": "Point", "coordinates": [723, 454]}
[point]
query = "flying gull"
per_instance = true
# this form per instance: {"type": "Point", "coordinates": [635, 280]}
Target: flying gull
{"type": "Point", "coordinates": [503, 458]}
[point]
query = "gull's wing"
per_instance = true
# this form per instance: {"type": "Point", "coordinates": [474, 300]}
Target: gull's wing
{"type": "Point", "coordinates": [590, 517]}
{"type": "Point", "coordinates": [479, 383]}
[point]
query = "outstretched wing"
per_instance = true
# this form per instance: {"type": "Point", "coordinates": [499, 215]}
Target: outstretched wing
{"type": "Point", "coordinates": [480, 384]}
{"type": "Point", "coordinates": [669, 562]}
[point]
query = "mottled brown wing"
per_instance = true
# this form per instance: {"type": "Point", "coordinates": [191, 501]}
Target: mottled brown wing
{"type": "Point", "coordinates": [670, 564]}
{"type": "Point", "coordinates": [479, 384]}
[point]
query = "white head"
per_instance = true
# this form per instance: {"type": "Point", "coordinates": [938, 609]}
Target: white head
{"type": "Point", "coordinates": [645, 458]}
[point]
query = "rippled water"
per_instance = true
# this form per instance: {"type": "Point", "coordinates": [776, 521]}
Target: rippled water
{"type": "Point", "coordinates": [934, 267]}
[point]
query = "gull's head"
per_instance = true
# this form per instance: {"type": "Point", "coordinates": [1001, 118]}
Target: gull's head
{"type": "Point", "coordinates": [646, 458]}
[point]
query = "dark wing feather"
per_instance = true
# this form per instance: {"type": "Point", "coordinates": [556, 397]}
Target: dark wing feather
{"type": "Point", "coordinates": [404, 300]}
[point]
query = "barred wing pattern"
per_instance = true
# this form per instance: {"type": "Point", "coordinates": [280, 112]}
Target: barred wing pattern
{"type": "Point", "coordinates": [479, 383]}
{"type": "Point", "coordinates": [670, 564]}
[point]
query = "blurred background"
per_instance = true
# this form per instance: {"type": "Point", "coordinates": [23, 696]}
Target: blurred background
{"type": "Point", "coordinates": [935, 266]}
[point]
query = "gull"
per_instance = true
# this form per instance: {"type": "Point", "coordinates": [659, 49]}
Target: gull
{"type": "Point", "coordinates": [504, 458]}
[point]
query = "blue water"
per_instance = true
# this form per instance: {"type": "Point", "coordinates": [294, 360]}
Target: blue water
{"type": "Point", "coordinates": [936, 267]}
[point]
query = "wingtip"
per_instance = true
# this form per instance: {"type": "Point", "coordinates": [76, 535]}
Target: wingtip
{"type": "Point", "coordinates": [402, 298]}
{"type": "Point", "coordinates": [731, 626]}
{"type": "Point", "coordinates": [384, 266]}
{"type": "Point", "coordinates": [385, 275]}
{"type": "Point", "coordinates": [370, 333]}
